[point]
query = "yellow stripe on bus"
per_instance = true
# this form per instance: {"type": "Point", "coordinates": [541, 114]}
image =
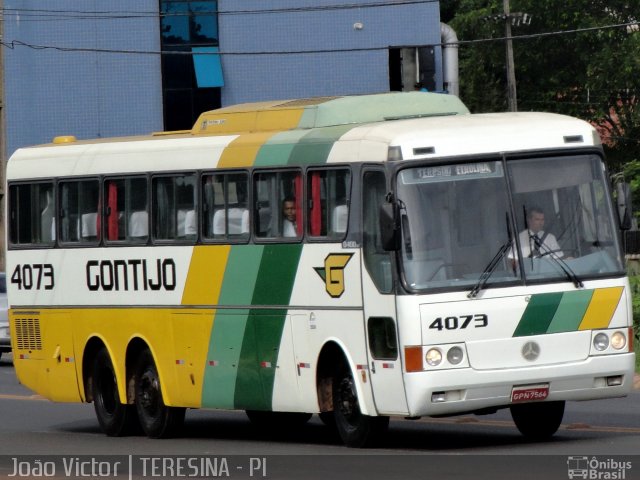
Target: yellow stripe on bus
{"type": "Point", "coordinates": [206, 273]}
{"type": "Point", "coordinates": [243, 150]}
{"type": "Point", "coordinates": [601, 308]}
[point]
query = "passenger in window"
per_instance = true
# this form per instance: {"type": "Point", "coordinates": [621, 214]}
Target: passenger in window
{"type": "Point", "coordinates": [289, 214]}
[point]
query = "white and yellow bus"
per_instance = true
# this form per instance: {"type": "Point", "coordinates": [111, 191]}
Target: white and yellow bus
{"type": "Point", "coordinates": [353, 257]}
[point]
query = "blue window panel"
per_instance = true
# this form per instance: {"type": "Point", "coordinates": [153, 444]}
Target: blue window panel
{"type": "Point", "coordinates": [208, 67]}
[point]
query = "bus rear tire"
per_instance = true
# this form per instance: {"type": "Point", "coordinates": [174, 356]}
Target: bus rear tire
{"type": "Point", "coordinates": [538, 421]}
{"type": "Point", "coordinates": [156, 419]}
{"type": "Point", "coordinates": [355, 429]}
{"type": "Point", "coordinates": [116, 419]}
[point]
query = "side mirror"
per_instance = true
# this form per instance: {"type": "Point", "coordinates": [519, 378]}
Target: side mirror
{"type": "Point", "coordinates": [389, 232]}
{"type": "Point", "coordinates": [623, 201]}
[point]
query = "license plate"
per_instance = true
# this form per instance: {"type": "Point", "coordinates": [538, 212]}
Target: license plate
{"type": "Point", "coordinates": [529, 393]}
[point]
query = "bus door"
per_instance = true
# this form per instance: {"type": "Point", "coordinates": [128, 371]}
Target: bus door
{"type": "Point", "coordinates": [385, 365]}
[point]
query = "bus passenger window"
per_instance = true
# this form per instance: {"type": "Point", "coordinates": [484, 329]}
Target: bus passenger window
{"type": "Point", "coordinates": [174, 201]}
{"type": "Point", "coordinates": [278, 205]}
{"type": "Point", "coordinates": [126, 217]}
{"type": "Point", "coordinates": [79, 218]}
{"type": "Point", "coordinates": [225, 205]}
{"type": "Point", "coordinates": [328, 203]}
{"type": "Point", "coordinates": [31, 215]}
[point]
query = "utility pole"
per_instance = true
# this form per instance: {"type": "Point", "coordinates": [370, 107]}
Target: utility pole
{"type": "Point", "coordinates": [3, 142]}
{"type": "Point", "coordinates": [511, 73]}
{"type": "Point", "coordinates": [509, 19]}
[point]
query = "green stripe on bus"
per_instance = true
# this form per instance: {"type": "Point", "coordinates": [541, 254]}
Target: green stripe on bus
{"type": "Point", "coordinates": [538, 314]}
{"type": "Point", "coordinates": [261, 343]}
{"type": "Point", "coordinates": [315, 147]}
{"type": "Point", "coordinates": [229, 326]}
{"type": "Point", "coordinates": [277, 150]}
{"type": "Point", "coordinates": [570, 311]}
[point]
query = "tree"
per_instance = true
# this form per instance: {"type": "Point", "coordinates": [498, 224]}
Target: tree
{"type": "Point", "coordinates": [592, 73]}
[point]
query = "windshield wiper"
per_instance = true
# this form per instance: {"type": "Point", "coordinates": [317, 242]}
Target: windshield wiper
{"type": "Point", "coordinates": [546, 252]}
{"type": "Point", "coordinates": [491, 266]}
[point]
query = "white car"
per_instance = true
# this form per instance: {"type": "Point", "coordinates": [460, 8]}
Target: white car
{"type": "Point", "coordinates": [5, 339]}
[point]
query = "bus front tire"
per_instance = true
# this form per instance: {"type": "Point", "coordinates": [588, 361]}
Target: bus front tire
{"type": "Point", "coordinates": [116, 419]}
{"type": "Point", "coordinates": [355, 429]}
{"type": "Point", "coordinates": [157, 419]}
{"type": "Point", "coordinates": [538, 421]}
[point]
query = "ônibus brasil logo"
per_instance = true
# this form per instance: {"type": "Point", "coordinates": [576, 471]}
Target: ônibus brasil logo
{"type": "Point", "coordinates": [597, 468]}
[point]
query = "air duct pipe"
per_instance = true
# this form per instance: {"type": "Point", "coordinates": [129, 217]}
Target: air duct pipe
{"type": "Point", "coordinates": [450, 59]}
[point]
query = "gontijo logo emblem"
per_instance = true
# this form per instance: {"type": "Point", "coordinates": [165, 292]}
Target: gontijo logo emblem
{"type": "Point", "coordinates": [333, 272]}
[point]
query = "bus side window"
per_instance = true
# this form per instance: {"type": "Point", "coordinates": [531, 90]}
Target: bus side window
{"type": "Point", "coordinates": [278, 205]}
{"type": "Point", "coordinates": [328, 203]}
{"type": "Point", "coordinates": [79, 211]}
{"type": "Point", "coordinates": [126, 216]}
{"type": "Point", "coordinates": [226, 206]}
{"type": "Point", "coordinates": [382, 338]}
{"type": "Point", "coordinates": [376, 260]}
{"type": "Point", "coordinates": [174, 207]}
{"type": "Point", "coordinates": [31, 214]}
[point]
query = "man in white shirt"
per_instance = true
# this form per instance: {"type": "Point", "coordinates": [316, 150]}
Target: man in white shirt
{"type": "Point", "coordinates": [534, 241]}
{"type": "Point", "coordinates": [289, 221]}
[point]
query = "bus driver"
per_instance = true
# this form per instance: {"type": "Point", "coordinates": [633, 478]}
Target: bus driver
{"type": "Point", "coordinates": [534, 241]}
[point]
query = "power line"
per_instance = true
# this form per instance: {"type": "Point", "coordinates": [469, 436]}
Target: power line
{"type": "Point", "coordinates": [18, 43]}
{"type": "Point", "coordinates": [53, 15]}
{"type": "Point", "coordinates": [544, 34]}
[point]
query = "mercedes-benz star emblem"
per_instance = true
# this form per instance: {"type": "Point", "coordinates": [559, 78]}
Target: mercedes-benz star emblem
{"type": "Point", "coordinates": [531, 351]}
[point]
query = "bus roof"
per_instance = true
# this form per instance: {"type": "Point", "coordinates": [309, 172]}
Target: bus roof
{"type": "Point", "coordinates": [416, 132]}
{"type": "Point", "coordinates": [326, 112]}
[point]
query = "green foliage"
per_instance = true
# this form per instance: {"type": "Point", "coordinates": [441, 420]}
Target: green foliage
{"type": "Point", "coordinates": [593, 74]}
{"type": "Point", "coordinates": [631, 173]}
{"type": "Point", "coordinates": [635, 291]}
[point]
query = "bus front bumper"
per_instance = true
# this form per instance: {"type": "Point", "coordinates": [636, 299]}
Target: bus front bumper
{"type": "Point", "coordinates": [465, 390]}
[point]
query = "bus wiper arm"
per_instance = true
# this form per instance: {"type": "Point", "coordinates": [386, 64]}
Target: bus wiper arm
{"type": "Point", "coordinates": [491, 266]}
{"type": "Point", "coordinates": [486, 273]}
{"type": "Point", "coordinates": [571, 275]}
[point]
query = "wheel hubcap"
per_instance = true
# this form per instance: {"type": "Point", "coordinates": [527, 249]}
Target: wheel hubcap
{"type": "Point", "coordinates": [348, 399]}
{"type": "Point", "coordinates": [149, 392]}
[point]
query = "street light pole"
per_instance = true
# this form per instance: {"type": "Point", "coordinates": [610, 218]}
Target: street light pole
{"type": "Point", "coordinates": [511, 73]}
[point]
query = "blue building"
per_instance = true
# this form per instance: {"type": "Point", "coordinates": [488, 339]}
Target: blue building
{"type": "Point", "coordinates": [101, 69]}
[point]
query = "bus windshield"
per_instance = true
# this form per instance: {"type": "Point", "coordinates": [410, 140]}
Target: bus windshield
{"type": "Point", "coordinates": [459, 221]}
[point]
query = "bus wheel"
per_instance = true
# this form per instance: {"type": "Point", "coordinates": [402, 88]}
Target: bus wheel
{"type": "Point", "coordinates": [538, 421]}
{"type": "Point", "coordinates": [157, 419]}
{"type": "Point", "coordinates": [328, 419]}
{"type": "Point", "coordinates": [355, 429]}
{"type": "Point", "coordinates": [281, 420]}
{"type": "Point", "coordinates": [115, 419]}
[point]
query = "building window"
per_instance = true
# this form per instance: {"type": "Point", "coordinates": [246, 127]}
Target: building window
{"type": "Point", "coordinates": [191, 71]}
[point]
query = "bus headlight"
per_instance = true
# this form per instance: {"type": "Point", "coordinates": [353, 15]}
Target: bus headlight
{"type": "Point", "coordinates": [618, 340]}
{"type": "Point", "coordinates": [455, 355]}
{"type": "Point", "coordinates": [601, 342]}
{"type": "Point", "coordinates": [433, 357]}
